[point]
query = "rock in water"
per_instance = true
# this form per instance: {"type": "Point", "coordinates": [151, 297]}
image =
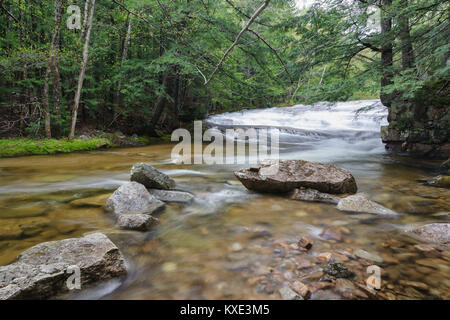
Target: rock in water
{"type": "Point", "coordinates": [440, 181]}
{"type": "Point", "coordinates": [287, 293]}
{"type": "Point", "coordinates": [42, 271]}
{"type": "Point", "coordinates": [312, 195]}
{"type": "Point", "coordinates": [438, 233]}
{"type": "Point", "coordinates": [338, 270]}
{"type": "Point", "coordinates": [132, 198]}
{"type": "Point", "coordinates": [286, 175]}
{"type": "Point", "coordinates": [361, 203]}
{"type": "Point", "coordinates": [368, 256]}
{"type": "Point", "coordinates": [150, 177]}
{"type": "Point", "coordinates": [172, 195]}
{"type": "Point", "coordinates": [137, 222]}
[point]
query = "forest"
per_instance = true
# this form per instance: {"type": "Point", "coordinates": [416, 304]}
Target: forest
{"type": "Point", "coordinates": [147, 67]}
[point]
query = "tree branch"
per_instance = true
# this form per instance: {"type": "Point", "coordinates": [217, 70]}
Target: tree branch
{"type": "Point", "coordinates": [274, 51]}
{"type": "Point", "coordinates": [7, 12]}
{"type": "Point", "coordinates": [245, 28]}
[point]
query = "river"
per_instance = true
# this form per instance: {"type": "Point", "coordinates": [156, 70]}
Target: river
{"type": "Point", "coordinates": [232, 243]}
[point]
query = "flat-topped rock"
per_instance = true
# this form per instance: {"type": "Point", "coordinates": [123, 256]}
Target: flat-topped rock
{"type": "Point", "coordinates": [361, 203]}
{"type": "Point", "coordinates": [150, 177]}
{"type": "Point", "coordinates": [172, 195]}
{"type": "Point", "coordinates": [438, 233]}
{"type": "Point", "coordinates": [43, 270]}
{"type": "Point", "coordinates": [137, 222]}
{"type": "Point", "coordinates": [312, 195]}
{"type": "Point", "coordinates": [132, 198]}
{"type": "Point", "coordinates": [286, 175]}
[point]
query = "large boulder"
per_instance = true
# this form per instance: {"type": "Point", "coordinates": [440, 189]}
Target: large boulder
{"type": "Point", "coordinates": [44, 270]}
{"type": "Point", "coordinates": [137, 222]}
{"type": "Point", "coordinates": [360, 203]}
{"type": "Point", "coordinates": [312, 195]}
{"type": "Point", "coordinates": [132, 198]}
{"type": "Point", "coordinates": [172, 195]}
{"type": "Point", "coordinates": [286, 175]}
{"type": "Point", "coordinates": [150, 177]}
{"type": "Point", "coordinates": [438, 233]}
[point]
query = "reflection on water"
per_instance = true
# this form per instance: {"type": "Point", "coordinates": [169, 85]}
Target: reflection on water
{"type": "Point", "coordinates": [231, 243]}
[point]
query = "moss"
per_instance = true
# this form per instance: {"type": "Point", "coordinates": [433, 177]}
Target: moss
{"type": "Point", "coordinates": [143, 140]}
{"type": "Point", "coordinates": [434, 93]}
{"type": "Point", "coordinates": [23, 147]}
{"type": "Point", "coordinates": [167, 137]}
{"type": "Point", "coordinates": [441, 181]}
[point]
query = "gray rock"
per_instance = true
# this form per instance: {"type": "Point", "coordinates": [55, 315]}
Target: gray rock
{"type": "Point", "coordinates": [42, 271]}
{"type": "Point", "coordinates": [287, 293]}
{"type": "Point", "coordinates": [312, 195]}
{"type": "Point", "coordinates": [132, 198]}
{"type": "Point", "coordinates": [137, 222]}
{"type": "Point", "coordinates": [368, 256]}
{"type": "Point", "coordinates": [172, 195]}
{"type": "Point", "coordinates": [119, 134]}
{"type": "Point", "coordinates": [438, 233]}
{"type": "Point", "coordinates": [150, 177]}
{"type": "Point", "coordinates": [361, 203]}
{"type": "Point", "coordinates": [286, 175]}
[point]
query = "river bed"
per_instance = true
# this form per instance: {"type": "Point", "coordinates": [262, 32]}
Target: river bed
{"type": "Point", "coordinates": [231, 243]}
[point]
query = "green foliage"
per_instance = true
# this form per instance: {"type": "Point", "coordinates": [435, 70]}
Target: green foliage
{"type": "Point", "coordinates": [328, 52]}
{"type": "Point", "coordinates": [24, 147]}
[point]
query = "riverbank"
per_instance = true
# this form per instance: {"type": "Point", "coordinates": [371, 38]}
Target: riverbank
{"type": "Point", "coordinates": [18, 147]}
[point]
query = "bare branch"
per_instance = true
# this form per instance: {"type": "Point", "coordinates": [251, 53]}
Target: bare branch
{"type": "Point", "coordinates": [245, 28]}
{"type": "Point", "coordinates": [7, 12]}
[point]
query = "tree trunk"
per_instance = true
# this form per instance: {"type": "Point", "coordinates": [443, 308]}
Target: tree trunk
{"type": "Point", "coordinates": [48, 131]}
{"type": "Point", "coordinates": [126, 44]}
{"type": "Point", "coordinates": [405, 37]}
{"type": "Point", "coordinates": [386, 51]}
{"type": "Point", "coordinates": [55, 69]}
{"type": "Point", "coordinates": [447, 57]}
{"type": "Point", "coordinates": [85, 12]}
{"type": "Point", "coordinates": [51, 65]}
{"type": "Point", "coordinates": [82, 71]}
{"type": "Point", "coordinates": [25, 97]}
{"type": "Point", "coordinates": [160, 103]}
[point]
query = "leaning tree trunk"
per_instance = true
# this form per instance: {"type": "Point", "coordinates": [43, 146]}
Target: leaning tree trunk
{"type": "Point", "coordinates": [85, 19]}
{"type": "Point", "coordinates": [447, 57]}
{"type": "Point", "coordinates": [51, 65]}
{"type": "Point", "coordinates": [405, 37]}
{"type": "Point", "coordinates": [76, 103]}
{"type": "Point", "coordinates": [387, 55]}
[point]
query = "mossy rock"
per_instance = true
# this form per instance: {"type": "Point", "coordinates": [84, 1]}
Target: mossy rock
{"type": "Point", "coordinates": [440, 181]}
{"type": "Point", "coordinates": [96, 202]}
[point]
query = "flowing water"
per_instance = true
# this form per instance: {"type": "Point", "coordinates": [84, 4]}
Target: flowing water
{"type": "Point", "coordinates": [231, 243]}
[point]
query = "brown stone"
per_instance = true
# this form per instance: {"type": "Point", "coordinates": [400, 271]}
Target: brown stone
{"type": "Point", "coordinates": [324, 257]}
{"type": "Point", "coordinates": [305, 243]}
{"type": "Point", "coordinates": [332, 234]}
{"type": "Point", "coordinates": [302, 289]}
{"type": "Point", "coordinates": [286, 175]}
